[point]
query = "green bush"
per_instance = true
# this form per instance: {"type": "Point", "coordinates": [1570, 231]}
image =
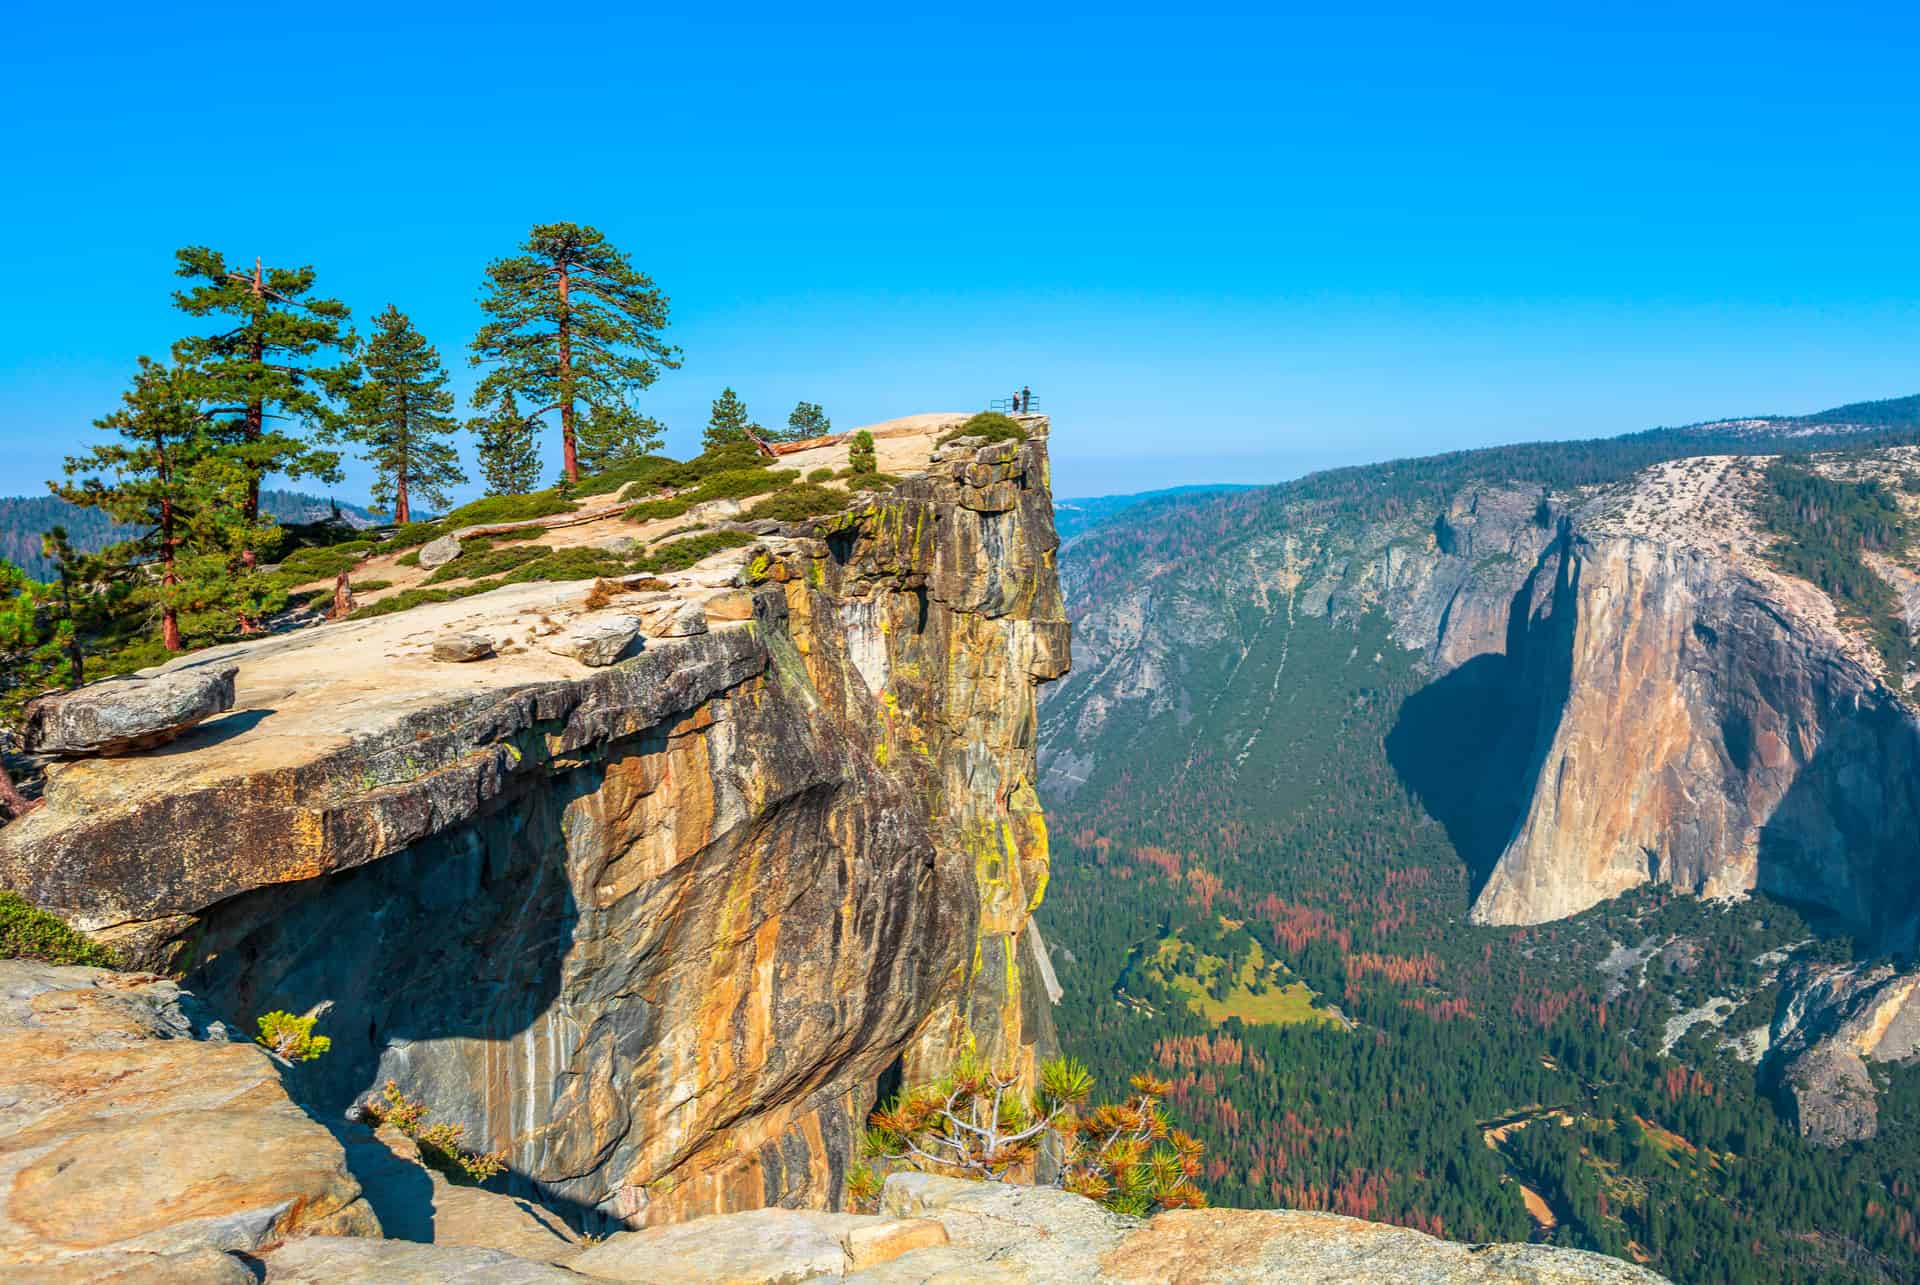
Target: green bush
{"type": "Point", "coordinates": [371, 586]}
{"type": "Point", "coordinates": [408, 559]}
{"type": "Point", "coordinates": [439, 1143]}
{"type": "Point", "coordinates": [569, 564]}
{"type": "Point", "coordinates": [871, 481]}
{"type": "Point", "coordinates": [860, 454]}
{"type": "Point", "coordinates": [409, 598]}
{"type": "Point", "coordinates": [410, 536]}
{"type": "Point", "coordinates": [486, 561]}
{"type": "Point", "coordinates": [820, 475]}
{"type": "Point", "coordinates": [684, 553]}
{"type": "Point", "coordinates": [737, 484]}
{"type": "Point", "coordinates": [645, 469]}
{"type": "Point", "coordinates": [991, 425]}
{"type": "Point", "coordinates": [318, 562]}
{"type": "Point", "coordinates": [507, 508]}
{"type": "Point", "coordinates": [805, 500]}
{"type": "Point", "coordinates": [27, 932]}
{"type": "Point", "coordinates": [291, 1037]}
{"type": "Point", "coordinates": [654, 510]}
{"type": "Point", "coordinates": [508, 537]}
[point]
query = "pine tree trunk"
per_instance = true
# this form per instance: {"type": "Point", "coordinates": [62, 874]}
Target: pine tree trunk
{"type": "Point", "coordinates": [169, 618]}
{"type": "Point", "coordinates": [256, 425]}
{"type": "Point", "coordinates": [402, 514]}
{"type": "Point", "coordinates": [11, 799]}
{"type": "Point", "coordinates": [572, 458]}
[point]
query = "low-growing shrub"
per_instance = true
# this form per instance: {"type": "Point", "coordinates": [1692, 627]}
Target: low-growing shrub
{"type": "Point", "coordinates": [439, 1143]}
{"type": "Point", "coordinates": [860, 454]}
{"type": "Point", "coordinates": [290, 1037]}
{"type": "Point", "coordinates": [871, 481]}
{"type": "Point", "coordinates": [991, 425]}
{"type": "Point", "coordinates": [410, 535]}
{"type": "Point", "coordinates": [820, 475]}
{"type": "Point", "coordinates": [805, 500]}
{"type": "Point", "coordinates": [645, 469]}
{"type": "Point", "coordinates": [737, 484]}
{"type": "Point", "coordinates": [682, 554]}
{"type": "Point", "coordinates": [568, 564]}
{"type": "Point", "coordinates": [486, 561]}
{"type": "Point", "coordinates": [321, 562]}
{"type": "Point", "coordinates": [409, 559]}
{"type": "Point", "coordinates": [370, 586]}
{"type": "Point", "coordinates": [510, 537]}
{"type": "Point", "coordinates": [28, 932]}
{"type": "Point", "coordinates": [507, 508]}
{"type": "Point", "coordinates": [654, 510]}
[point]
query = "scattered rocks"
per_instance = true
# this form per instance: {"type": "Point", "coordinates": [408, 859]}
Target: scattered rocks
{"type": "Point", "coordinates": [675, 619]}
{"type": "Point", "coordinates": [462, 648]}
{"type": "Point", "coordinates": [596, 640]}
{"type": "Point", "coordinates": [124, 715]}
{"type": "Point", "coordinates": [438, 553]}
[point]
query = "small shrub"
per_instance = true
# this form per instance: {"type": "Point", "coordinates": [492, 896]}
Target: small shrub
{"type": "Point", "coordinates": [602, 593]}
{"type": "Point", "coordinates": [524, 533]}
{"type": "Point", "coordinates": [318, 562]}
{"type": "Point", "coordinates": [684, 553]}
{"type": "Point", "coordinates": [568, 564]}
{"type": "Point", "coordinates": [409, 536]}
{"type": "Point", "coordinates": [507, 508]}
{"type": "Point", "coordinates": [647, 584]}
{"type": "Point", "coordinates": [820, 475]}
{"type": "Point", "coordinates": [860, 453]}
{"type": "Point", "coordinates": [863, 1188]}
{"type": "Point", "coordinates": [645, 469]}
{"type": "Point", "coordinates": [439, 1143]}
{"type": "Point", "coordinates": [871, 481]}
{"type": "Point", "coordinates": [975, 1123]}
{"type": "Point", "coordinates": [654, 510]}
{"type": "Point", "coordinates": [487, 561]}
{"type": "Point", "coordinates": [28, 932]}
{"type": "Point", "coordinates": [991, 425]}
{"type": "Point", "coordinates": [408, 559]}
{"type": "Point", "coordinates": [290, 1037]}
{"type": "Point", "coordinates": [805, 500]}
{"type": "Point", "coordinates": [737, 484]}
{"type": "Point", "coordinates": [370, 586]}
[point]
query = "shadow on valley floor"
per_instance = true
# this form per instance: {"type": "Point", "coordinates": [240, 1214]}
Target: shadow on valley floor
{"type": "Point", "coordinates": [1468, 745]}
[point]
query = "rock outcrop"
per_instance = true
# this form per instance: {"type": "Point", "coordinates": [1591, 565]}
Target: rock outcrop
{"type": "Point", "coordinates": [125, 715]}
{"type": "Point", "coordinates": [139, 1141]}
{"type": "Point", "coordinates": [1832, 1021]}
{"type": "Point", "coordinates": [654, 930]}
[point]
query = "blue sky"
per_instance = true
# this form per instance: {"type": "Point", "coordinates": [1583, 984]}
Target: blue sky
{"type": "Point", "coordinates": [1221, 244]}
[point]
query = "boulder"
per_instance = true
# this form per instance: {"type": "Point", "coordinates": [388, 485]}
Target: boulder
{"type": "Point", "coordinates": [139, 1139]}
{"type": "Point", "coordinates": [334, 1260]}
{"type": "Point", "coordinates": [595, 640]}
{"type": "Point", "coordinates": [462, 648]}
{"type": "Point", "coordinates": [438, 553]}
{"type": "Point", "coordinates": [124, 715]}
{"type": "Point", "coordinates": [682, 620]}
{"type": "Point", "coordinates": [761, 1247]}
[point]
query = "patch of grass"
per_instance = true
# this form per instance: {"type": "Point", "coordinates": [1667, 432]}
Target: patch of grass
{"type": "Point", "coordinates": [486, 561]}
{"type": "Point", "coordinates": [525, 533]}
{"type": "Point", "coordinates": [409, 559]}
{"type": "Point", "coordinates": [820, 475]}
{"type": "Point", "coordinates": [871, 481]}
{"type": "Point", "coordinates": [568, 564]}
{"type": "Point", "coordinates": [804, 500]}
{"type": "Point", "coordinates": [410, 598]}
{"type": "Point", "coordinates": [654, 510]}
{"type": "Point", "coordinates": [684, 553]}
{"type": "Point", "coordinates": [370, 586]}
{"type": "Point", "coordinates": [991, 425]}
{"type": "Point", "coordinates": [410, 536]}
{"type": "Point", "coordinates": [322, 562]}
{"type": "Point", "coordinates": [27, 932]}
{"type": "Point", "coordinates": [645, 469]}
{"type": "Point", "coordinates": [737, 484]}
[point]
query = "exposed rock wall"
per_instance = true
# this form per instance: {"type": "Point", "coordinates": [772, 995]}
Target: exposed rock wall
{"type": "Point", "coordinates": [654, 931]}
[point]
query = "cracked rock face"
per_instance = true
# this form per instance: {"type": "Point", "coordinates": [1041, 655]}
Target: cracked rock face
{"type": "Point", "coordinates": [654, 929]}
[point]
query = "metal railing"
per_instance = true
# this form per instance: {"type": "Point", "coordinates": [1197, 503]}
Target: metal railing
{"type": "Point", "coordinates": [1013, 405]}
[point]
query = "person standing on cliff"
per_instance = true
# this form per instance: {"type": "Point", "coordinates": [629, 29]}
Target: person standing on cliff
{"type": "Point", "coordinates": [1026, 400]}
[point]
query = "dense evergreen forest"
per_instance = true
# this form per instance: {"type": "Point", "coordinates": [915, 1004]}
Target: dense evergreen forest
{"type": "Point", "coordinates": [24, 519]}
{"type": "Point", "coordinates": [1478, 1083]}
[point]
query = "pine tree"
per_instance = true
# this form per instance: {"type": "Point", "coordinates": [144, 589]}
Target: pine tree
{"type": "Point", "coordinates": [261, 365]}
{"type": "Point", "coordinates": [169, 478]}
{"type": "Point", "coordinates": [729, 423]}
{"type": "Point", "coordinates": [572, 323]}
{"type": "Point", "coordinates": [401, 412]}
{"type": "Point", "coordinates": [809, 419]}
{"type": "Point", "coordinates": [38, 653]}
{"type": "Point", "coordinates": [509, 453]}
{"type": "Point", "coordinates": [611, 435]}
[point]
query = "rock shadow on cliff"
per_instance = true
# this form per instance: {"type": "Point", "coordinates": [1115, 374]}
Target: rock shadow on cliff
{"type": "Point", "coordinates": [1468, 745]}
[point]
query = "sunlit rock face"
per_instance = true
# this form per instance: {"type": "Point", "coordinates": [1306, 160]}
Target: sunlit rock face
{"type": "Point", "coordinates": [655, 930]}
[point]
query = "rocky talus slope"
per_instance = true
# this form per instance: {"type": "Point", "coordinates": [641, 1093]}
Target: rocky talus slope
{"type": "Point", "coordinates": [1648, 699]}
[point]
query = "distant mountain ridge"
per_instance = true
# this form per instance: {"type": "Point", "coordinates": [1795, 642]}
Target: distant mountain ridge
{"type": "Point", "coordinates": [25, 518]}
{"type": "Point", "coordinates": [1076, 515]}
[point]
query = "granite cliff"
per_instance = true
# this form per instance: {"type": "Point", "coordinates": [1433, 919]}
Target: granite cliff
{"type": "Point", "coordinates": [1622, 689]}
{"type": "Point", "coordinates": [654, 930]}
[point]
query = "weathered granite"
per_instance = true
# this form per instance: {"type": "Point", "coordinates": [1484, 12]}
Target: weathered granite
{"type": "Point", "coordinates": [438, 553]}
{"type": "Point", "coordinates": [126, 715]}
{"type": "Point", "coordinates": [462, 649]}
{"type": "Point", "coordinates": [596, 640]}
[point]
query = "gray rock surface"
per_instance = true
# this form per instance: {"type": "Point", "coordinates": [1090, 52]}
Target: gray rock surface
{"type": "Point", "coordinates": [595, 640]}
{"type": "Point", "coordinates": [461, 649]}
{"type": "Point", "coordinates": [438, 553]}
{"type": "Point", "coordinates": [335, 1260]}
{"type": "Point", "coordinates": [125, 715]}
{"type": "Point", "coordinates": [760, 1247]}
{"type": "Point", "coordinates": [1831, 1022]}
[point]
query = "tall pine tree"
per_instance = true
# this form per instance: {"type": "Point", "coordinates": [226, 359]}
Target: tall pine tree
{"type": "Point", "coordinates": [729, 423]}
{"type": "Point", "coordinates": [260, 376]}
{"type": "Point", "coordinates": [509, 452]}
{"type": "Point", "coordinates": [808, 419]}
{"type": "Point", "coordinates": [571, 324]}
{"type": "Point", "coordinates": [38, 653]}
{"type": "Point", "coordinates": [401, 412]}
{"type": "Point", "coordinates": [167, 477]}
{"type": "Point", "coordinates": [611, 435]}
